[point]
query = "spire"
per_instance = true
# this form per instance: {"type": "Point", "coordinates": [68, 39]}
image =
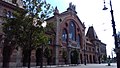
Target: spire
{"type": "Point", "coordinates": [91, 33]}
{"type": "Point", "coordinates": [84, 24]}
{"type": "Point", "coordinates": [56, 11]}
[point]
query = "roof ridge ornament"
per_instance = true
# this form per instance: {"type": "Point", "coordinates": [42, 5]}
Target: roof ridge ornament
{"type": "Point", "coordinates": [56, 11]}
{"type": "Point", "coordinates": [72, 7]}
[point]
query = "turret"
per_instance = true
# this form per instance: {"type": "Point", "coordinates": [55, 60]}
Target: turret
{"type": "Point", "coordinates": [56, 11]}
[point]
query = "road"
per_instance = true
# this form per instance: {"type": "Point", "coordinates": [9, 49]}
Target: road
{"type": "Point", "coordinates": [113, 65]}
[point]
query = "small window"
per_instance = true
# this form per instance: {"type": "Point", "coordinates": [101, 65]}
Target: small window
{"type": "Point", "coordinates": [87, 39]}
{"type": "Point", "coordinates": [89, 49]}
{"type": "Point", "coordinates": [78, 29]}
{"type": "Point", "coordinates": [60, 20]}
{"type": "Point", "coordinates": [86, 48]}
{"type": "Point", "coordinates": [93, 49]}
{"type": "Point", "coordinates": [64, 35]}
{"type": "Point", "coordinates": [4, 12]}
{"type": "Point", "coordinates": [66, 24]}
{"type": "Point", "coordinates": [50, 41]}
{"type": "Point", "coordinates": [96, 37]}
{"type": "Point", "coordinates": [9, 14]}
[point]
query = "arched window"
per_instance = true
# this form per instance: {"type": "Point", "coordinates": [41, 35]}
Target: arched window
{"type": "Point", "coordinates": [64, 35]}
{"type": "Point", "coordinates": [72, 30]}
{"type": "Point", "coordinates": [50, 41]}
{"type": "Point", "coordinates": [78, 40]}
{"type": "Point", "coordinates": [9, 14]}
{"type": "Point", "coordinates": [4, 12]}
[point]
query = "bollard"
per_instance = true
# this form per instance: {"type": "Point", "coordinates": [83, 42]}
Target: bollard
{"type": "Point", "coordinates": [109, 61]}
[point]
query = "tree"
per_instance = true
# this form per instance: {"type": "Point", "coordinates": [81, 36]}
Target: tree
{"type": "Point", "coordinates": [104, 58]}
{"type": "Point", "coordinates": [74, 57]}
{"type": "Point", "coordinates": [38, 56]}
{"type": "Point", "coordinates": [7, 51]}
{"type": "Point", "coordinates": [9, 39]}
{"type": "Point", "coordinates": [25, 28]}
{"type": "Point", "coordinates": [48, 54]}
{"type": "Point", "coordinates": [64, 56]}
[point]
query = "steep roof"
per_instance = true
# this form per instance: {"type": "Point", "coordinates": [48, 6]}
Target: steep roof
{"type": "Point", "coordinates": [91, 33]}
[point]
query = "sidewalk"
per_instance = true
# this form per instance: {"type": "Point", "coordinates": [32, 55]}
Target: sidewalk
{"type": "Point", "coordinates": [13, 65]}
{"type": "Point", "coordinates": [105, 65]}
{"type": "Point", "coordinates": [47, 66]}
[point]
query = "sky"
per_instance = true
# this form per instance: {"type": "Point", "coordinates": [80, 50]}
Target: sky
{"type": "Point", "coordinates": [90, 12]}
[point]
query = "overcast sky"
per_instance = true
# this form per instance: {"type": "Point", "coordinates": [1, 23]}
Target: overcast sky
{"type": "Point", "coordinates": [90, 12]}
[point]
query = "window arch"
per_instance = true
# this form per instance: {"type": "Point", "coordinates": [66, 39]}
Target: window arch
{"type": "Point", "coordinates": [78, 40]}
{"type": "Point", "coordinates": [4, 12]}
{"type": "Point", "coordinates": [9, 14]}
{"type": "Point", "coordinates": [64, 35]}
{"type": "Point", "coordinates": [72, 30]}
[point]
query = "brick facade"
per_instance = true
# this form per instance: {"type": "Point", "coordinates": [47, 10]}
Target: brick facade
{"type": "Point", "coordinates": [68, 41]}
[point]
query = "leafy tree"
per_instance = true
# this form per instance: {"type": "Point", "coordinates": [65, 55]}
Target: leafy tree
{"type": "Point", "coordinates": [25, 29]}
{"type": "Point", "coordinates": [9, 39]}
{"type": "Point", "coordinates": [74, 57]}
{"type": "Point", "coordinates": [64, 56]}
{"type": "Point", "coordinates": [104, 57]}
{"type": "Point", "coordinates": [48, 54]}
{"type": "Point", "coordinates": [38, 56]}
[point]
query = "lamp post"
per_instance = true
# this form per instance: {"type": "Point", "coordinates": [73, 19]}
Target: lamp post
{"type": "Point", "coordinates": [114, 34]}
{"type": "Point", "coordinates": [43, 25]}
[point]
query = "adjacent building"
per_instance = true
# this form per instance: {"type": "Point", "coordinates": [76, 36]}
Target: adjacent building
{"type": "Point", "coordinates": [7, 7]}
{"type": "Point", "coordinates": [95, 49]}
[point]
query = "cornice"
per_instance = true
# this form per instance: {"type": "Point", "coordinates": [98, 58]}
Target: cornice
{"type": "Point", "coordinates": [8, 5]}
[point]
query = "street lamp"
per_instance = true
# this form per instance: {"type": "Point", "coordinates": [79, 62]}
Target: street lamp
{"type": "Point", "coordinates": [117, 49]}
{"type": "Point", "coordinates": [44, 23]}
{"type": "Point", "coordinates": [105, 8]}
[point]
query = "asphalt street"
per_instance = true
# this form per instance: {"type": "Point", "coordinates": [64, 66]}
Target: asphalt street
{"type": "Point", "coordinates": [113, 65]}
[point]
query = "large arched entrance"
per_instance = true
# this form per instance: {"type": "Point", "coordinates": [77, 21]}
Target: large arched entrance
{"type": "Point", "coordinates": [94, 59]}
{"type": "Point", "coordinates": [74, 56]}
{"type": "Point", "coordinates": [90, 57]}
{"type": "Point", "coordinates": [38, 56]}
{"type": "Point", "coordinates": [81, 58]}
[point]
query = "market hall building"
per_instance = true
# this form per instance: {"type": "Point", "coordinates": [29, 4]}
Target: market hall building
{"type": "Point", "coordinates": [70, 34]}
{"type": "Point", "coordinates": [70, 37]}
